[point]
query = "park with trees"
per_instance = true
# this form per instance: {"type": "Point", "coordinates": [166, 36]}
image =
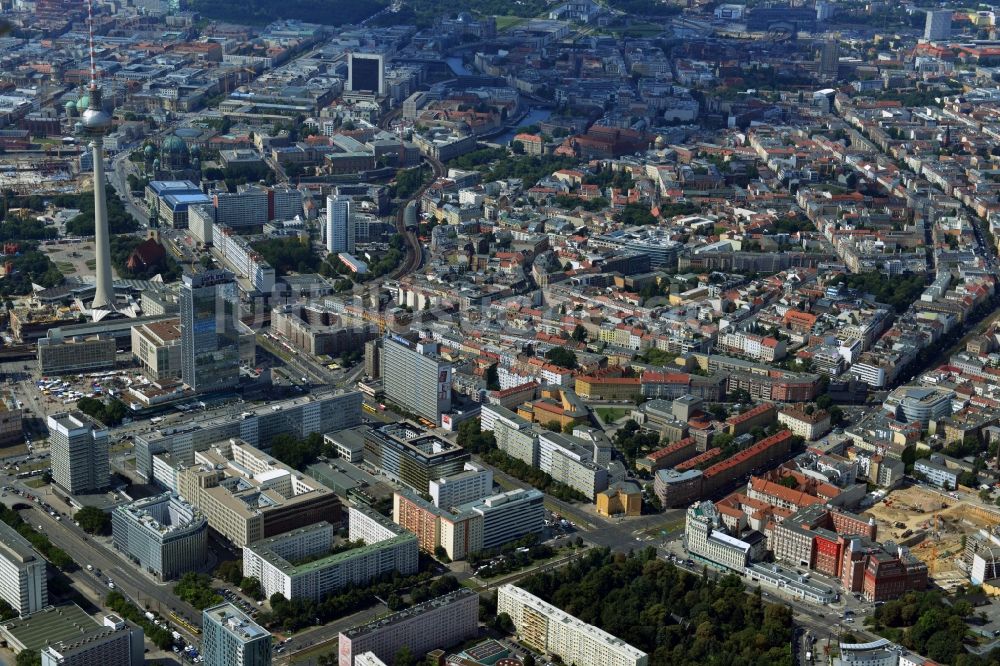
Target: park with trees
{"type": "Point", "coordinates": [678, 618]}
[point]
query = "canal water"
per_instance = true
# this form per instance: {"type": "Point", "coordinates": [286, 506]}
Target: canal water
{"type": "Point", "coordinates": [534, 116]}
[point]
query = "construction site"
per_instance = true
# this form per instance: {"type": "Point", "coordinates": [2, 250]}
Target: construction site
{"type": "Point", "coordinates": [38, 172]}
{"type": "Point", "coordinates": [933, 526]}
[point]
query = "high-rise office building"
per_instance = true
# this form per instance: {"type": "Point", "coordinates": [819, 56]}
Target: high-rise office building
{"type": "Point", "coordinates": [22, 573]}
{"type": "Point", "coordinates": [248, 206]}
{"type": "Point", "coordinates": [300, 417]}
{"type": "Point", "coordinates": [366, 71]}
{"type": "Point", "coordinates": [210, 346]}
{"type": "Point", "coordinates": [230, 638]}
{"type": "Point", "coordinates": [415, 377]}
{"type": "Point", "coordinates": [938, 24]}
{"type": "Point", "coordinates": [339, 224]}
{"type": "Point", "coordinates": [412, 456]}
{"type": "Point", "coordinates": [164, 534]}
{"type": "Point", "coordinates": [11, 425]}
{"type": "Point", "coordinates": [829, 59]}
{"type": "Point", "coordinates": [79, 447]}
{"type": "Point", "coordinates": [373, 361]}
{"type": "Point", "coordinates": [285, 203]}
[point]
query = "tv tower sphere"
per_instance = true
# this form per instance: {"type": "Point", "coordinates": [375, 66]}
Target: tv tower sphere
{"type": "Point", "coordinates": [95, 121]}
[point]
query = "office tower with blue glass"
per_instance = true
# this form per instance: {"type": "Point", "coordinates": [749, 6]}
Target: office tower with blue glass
{"type": "Point", "coordinates": [210, 346]}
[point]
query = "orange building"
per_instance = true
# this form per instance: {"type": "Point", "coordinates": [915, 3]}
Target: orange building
{"type": "Point", "coordinates": [622, 498]}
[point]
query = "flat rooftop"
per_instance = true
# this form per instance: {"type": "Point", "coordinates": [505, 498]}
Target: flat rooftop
{"type": "Point", "coordinates": [235, 622]}
{"type": "Point", "coordinates": [53, 624]}
{"type": "Point", "coordinates": [15, 547]}
{"type": "Point", "coordinates": [416, 438]}
{"type": "Point", "coordinates": [408, 613]}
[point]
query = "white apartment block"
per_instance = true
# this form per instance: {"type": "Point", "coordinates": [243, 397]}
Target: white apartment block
{"type": "Point", "coordinates": [277, 561]}
{"type": "Point", "coordinates": [550, 630]}
{"type": "Point", "coordinates": [287, 203]}
{"type": "Point", "coordinates": [869, 374]}
{"type": "Point", "coordinates": [242, 259]}
{"type": "Point", "coordinates": [490, 415]}
{"type": "Point", "coordinates": [476, 482]}
{"type": "Point", "coordinates": [436, 623]}
{"type": "Point", "coordinates": [246, 207]}
{"type": "Point", "coordinates": [22, 573]}
{"type": "Point", "coordinates": [568, 461]}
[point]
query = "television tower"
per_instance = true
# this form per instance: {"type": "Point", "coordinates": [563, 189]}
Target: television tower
{"type": "Point", "coordinates": [96, 124]}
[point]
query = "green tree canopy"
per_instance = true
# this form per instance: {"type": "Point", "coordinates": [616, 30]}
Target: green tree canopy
{"type": "Point", "coordinates": [564, 358]}
{"type": "Point", "coordinates": [93, 520]}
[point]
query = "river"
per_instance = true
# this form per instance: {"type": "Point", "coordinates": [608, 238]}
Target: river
{"type": "Point", "coordinates": [458, 67]}
{"type": "Point", "coordinates": [533, 116]}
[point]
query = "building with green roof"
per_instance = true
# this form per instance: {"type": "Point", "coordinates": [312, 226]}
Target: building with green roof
{"type": "Point", "coordinates": [304, 563]}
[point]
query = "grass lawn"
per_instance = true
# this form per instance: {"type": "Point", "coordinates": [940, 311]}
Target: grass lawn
{"type": "Point", "coordinates": [670, 526]}
{"type": "Point", "coordinates": [91, 264]}
{"type": "Point", "coordinates": [31, 467]}
{"type": "Point", "coordinates": [507, 22]}
{"type": "Point", "coordinates": [35, 483]}
{"type": "Point", "coordinates": [611, 414]}
{"type": "Point", "coordinates": [65, 267]}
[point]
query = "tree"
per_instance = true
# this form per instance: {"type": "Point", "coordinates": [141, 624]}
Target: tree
{"type": "Point", "coordinates": [230, 571]}
{"type": "Point", "coordinates": [250, 585]}
{"type": "Point", "coordinates": [288, 254]}
{"type": "Point", "coordinates": [404, 657]}
{"type": "Point", "coordinates": [28, 658]}
{"type": "Point", "coordinates": [196, 589]}
{"type": "Point", "coordinates": [297, 453]}
{"type": "Point", "coordinates": [968, 479]}
{"type": "Point", "coordinates": [7, 611]}
{"type": "Point", "coordinates": [93, 521]}
{"type": "Point", "coordinates": [529, 660]}
{"type": "Point", "coordinates": [564, 358]}
{"type": "Point", "coordinates": [580, 333]}
{"type": "Point", "coordinates": [441, 554]}
{"type": "Point", "coordinates": [493, 378]}
{"type": "Point", "coordinates": [635, 214]}
{"type": "Point", "coordinates": [504, 624]}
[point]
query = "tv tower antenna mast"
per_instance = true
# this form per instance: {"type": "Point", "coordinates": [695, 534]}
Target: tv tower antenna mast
{"type": "Point", "coordinates": [96, 124]}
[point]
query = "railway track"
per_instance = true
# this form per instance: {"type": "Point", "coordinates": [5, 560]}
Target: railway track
{"type": "Point", "coordinates": [414, 253]}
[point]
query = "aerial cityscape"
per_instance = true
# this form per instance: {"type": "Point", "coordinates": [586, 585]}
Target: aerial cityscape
{"type": "Point", "coordinates": [499, 333]}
